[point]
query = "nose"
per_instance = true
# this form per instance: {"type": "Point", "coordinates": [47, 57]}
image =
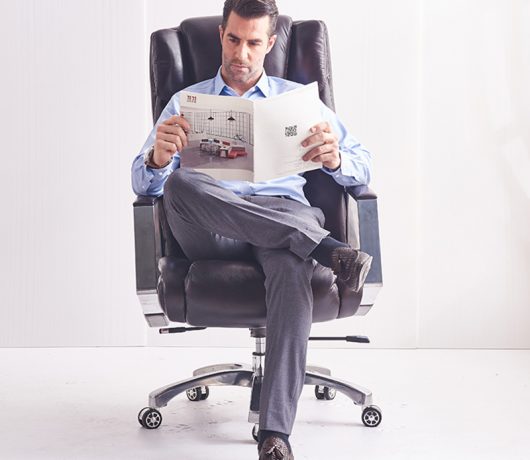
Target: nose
{"type": "Point", "coordinates": [241, 51]}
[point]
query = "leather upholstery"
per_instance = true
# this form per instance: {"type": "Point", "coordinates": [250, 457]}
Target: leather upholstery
{"type": "Point", "coordinates": [221, 293]}
{"type": "Point", "coordinates": [231, 293]}
{"type": "Point", "coordinates": [190, 53]}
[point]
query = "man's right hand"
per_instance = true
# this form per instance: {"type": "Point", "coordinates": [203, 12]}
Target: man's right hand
{"type": "Point", "coordinates": [171, 137]}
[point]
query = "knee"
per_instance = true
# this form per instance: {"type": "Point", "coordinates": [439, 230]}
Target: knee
{"type": "Point", "coordinates": [283, 265]}
{"type": "Point", "coordinates": [288, 284]}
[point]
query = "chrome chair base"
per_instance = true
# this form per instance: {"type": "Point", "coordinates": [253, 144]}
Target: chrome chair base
{"type": "Point", "coordinates": [251, 376]}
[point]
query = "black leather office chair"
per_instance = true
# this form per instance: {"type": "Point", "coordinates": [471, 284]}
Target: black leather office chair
{"type": "Point", "coordinates": [231, 294]}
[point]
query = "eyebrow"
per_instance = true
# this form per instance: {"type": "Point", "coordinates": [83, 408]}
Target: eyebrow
{"type": "Point", "coordinates": [254, 40]}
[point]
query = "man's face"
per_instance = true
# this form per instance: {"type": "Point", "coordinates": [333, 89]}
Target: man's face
{"type": "Point", "coordinates": [245, 43]}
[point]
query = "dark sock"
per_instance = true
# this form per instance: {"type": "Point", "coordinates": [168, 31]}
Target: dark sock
{"type": "Point", "coordinates": [322, 253]}
{"type": "Point", "coordinates": [264, 434]}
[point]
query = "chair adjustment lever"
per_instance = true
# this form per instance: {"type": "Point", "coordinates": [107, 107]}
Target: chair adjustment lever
{"type": "Point", "coordinates": [173, 330]}
{"type": "Point", "coordinates": [348, 338]}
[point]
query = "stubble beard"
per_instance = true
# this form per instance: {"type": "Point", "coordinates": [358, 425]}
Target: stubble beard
{"type": "Point", "coordinates": [241, 77]}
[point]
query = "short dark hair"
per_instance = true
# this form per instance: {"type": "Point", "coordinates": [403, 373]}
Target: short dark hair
{"type": "Point", "coordinates": [250, 9]}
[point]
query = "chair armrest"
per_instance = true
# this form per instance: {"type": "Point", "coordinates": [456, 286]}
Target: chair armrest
{"type": "Point", "coordinates": [368, 229]}
{"type": "Point", "coordinates": [144, 200]}
{"type": "Point", "coordinates": [147, 241]}
{"type": "Point", "coordinates": [361, 192]}
{"type": "Point", "coordinates": [149, 248]}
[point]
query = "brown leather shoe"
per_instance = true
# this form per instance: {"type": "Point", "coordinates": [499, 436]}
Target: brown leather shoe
{"type": "Point", "coordinates": [351, 266]}
{"type": "Point", "coordinates": [275, 448]}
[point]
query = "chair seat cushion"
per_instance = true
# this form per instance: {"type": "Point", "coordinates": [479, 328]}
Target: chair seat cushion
{"type": "Point", "coordinates": [220, 293]}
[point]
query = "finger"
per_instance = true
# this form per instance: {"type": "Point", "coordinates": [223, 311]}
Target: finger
{"type": "Point", "coordinates": [171, 120]}
{"type": "Point", "coordinates": [171, 138]}
{"type": "Point", "coordinates": [174, 130]}
{"type": "Point", "coordinates": [325, 148]}
{"type": "Point", "coordinates": [332, 147]}
{"type": "Point", "coordinates": [317, 138]}
{"type": "Point", "coordinates": [325, 157]}
{"type": "Point", "coordinates": [184, 124]}
{"type": "Point", "coordinates": [177, 120]}
{"type": "Point", "coordinates": [166, 146]}
{"type": "Point", "coordinates": [322, 126]}
{"type": "Point", "coordinates": [170, 129]}
{"type": "Point", "coordinates": [166, 137]}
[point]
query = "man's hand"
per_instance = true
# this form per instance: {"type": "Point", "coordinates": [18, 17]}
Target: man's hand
{"type": "Point", "coordinates": [328, 152]}
{"type": "Point", "coordinates": [170, 138]}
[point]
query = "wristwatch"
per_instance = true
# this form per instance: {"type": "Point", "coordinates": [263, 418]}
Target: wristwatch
{"type": "Point", "coordinates": [148, 159]}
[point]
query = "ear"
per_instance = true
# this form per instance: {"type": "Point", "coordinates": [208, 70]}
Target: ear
{"type": "Point", "coordinates": [270, 44]}
{"type": "Point", "coordinates": [221, 32]}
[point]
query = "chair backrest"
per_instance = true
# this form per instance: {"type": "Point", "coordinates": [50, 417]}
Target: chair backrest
{"type": "Point", "coordinates": [191, 52]}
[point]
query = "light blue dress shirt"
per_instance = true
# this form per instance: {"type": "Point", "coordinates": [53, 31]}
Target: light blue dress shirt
{"type": "Point", "coordinates": [355, 159]}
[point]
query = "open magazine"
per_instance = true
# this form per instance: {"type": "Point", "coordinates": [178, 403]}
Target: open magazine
{"type": "Point", "coordinates": [232, 138]}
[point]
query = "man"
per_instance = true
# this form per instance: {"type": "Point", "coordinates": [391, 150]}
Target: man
{"type": "Point", "coordinates": [270, 220]}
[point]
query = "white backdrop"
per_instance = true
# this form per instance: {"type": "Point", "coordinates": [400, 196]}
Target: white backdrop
{"type": "Point", "coordinates": [437, 90]}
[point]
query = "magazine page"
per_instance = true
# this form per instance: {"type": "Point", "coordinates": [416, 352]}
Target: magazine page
{"type": "Point", "coordinates": [221, 138]}
{"type": "Point", "coordinates": [281, 124]}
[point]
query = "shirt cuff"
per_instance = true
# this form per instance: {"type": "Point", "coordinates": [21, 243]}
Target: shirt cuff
{"type": "Point", "coordinates": [345, 174]}
{"type": "Point", "coordinates": [156, 178]}
{"type": "Point", "coordinates": [155, 171]}
{"type": "Point", "coordinates": [334, 172]}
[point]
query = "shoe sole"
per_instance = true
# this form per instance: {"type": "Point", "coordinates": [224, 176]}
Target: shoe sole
{"type": "Point", "coordinates": [362, 266]}
{"type": "Point", "coordinates": [359, 271]}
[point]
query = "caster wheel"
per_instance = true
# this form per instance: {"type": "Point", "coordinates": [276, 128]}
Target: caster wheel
{"type": "Point", "coordinates": [372, 416]}
{"type": "Point", "coordinates": [198, 393]}
{"type": "Point", "coordinates": [255, 432]}
{"type": "Point", "coordinates": [327, 393]}
{"type": "Point", "coordinates": [150, 418]}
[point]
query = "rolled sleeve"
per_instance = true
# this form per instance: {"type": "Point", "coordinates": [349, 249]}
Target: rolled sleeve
{"type": "Point", "coordinates": [150, 181]}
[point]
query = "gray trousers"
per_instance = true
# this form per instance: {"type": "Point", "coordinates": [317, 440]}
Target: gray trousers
{"type": "Point", "coordinates": [211, 222]}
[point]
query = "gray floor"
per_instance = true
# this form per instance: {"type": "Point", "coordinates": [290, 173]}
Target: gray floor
{"type": "Point", "coordinates": [437, 404]}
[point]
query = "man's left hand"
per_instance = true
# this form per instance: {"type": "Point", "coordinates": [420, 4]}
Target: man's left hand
{"type": "Point", "coordinates": [328, 152]}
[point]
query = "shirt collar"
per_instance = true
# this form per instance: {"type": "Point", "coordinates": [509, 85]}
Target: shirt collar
{"type": "Point", "coordinates": [262, 84]}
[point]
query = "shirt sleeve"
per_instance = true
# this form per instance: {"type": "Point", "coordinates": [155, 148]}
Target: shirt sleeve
{"type": "Point", "coordinates": [150, 181]}
{"type": "Point", "coordinates": [356, 160]}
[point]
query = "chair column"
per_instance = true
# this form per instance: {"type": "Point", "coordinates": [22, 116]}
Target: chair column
{"type": "Point", "coordinates": [257, 367]}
